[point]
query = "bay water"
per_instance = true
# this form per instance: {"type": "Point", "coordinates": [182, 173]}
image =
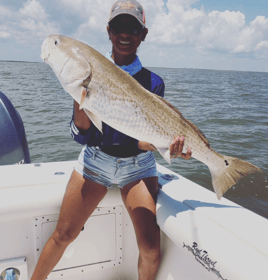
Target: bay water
{"type": "Point", "coordinates": [229, 107]}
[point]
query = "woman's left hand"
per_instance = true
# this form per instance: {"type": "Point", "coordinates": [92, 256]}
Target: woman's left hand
{"type": "Point", "coordinates": [176, 148]}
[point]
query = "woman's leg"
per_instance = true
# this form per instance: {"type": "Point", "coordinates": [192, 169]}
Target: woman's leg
{"type": "Point", "coordinates": [81, 198]}
{"type": "Point", "coordinates": [140, 200]}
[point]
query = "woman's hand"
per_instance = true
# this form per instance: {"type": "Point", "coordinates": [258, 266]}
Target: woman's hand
{"type": "Point", "coordinates": [146, 146]}
{"type": "Point", "coordinates": [176, 148]}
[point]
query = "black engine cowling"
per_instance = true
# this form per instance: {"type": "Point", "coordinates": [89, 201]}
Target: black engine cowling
{"type": "Point", "coordinates": [13, 142]}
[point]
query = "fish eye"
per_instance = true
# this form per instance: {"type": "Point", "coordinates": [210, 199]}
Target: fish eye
{"type": "Point", "coordinates": [56, 42]}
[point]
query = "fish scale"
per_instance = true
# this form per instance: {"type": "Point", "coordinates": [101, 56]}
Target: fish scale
{"type": "Point", "coordinates": [110, 95]}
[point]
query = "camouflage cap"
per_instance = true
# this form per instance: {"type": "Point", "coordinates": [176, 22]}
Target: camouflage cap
{"type": "Point", "coordinates": [130, 7]}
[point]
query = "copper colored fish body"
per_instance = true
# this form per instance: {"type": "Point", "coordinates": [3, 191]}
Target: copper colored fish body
{"type": "Point", "coordinates": [110, 95]}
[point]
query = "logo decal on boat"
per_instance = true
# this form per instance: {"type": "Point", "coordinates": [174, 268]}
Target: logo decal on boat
{"type": "Point", "coordinates": [20, 162]}
{"type": "Point", "coordinates": [202, 257]}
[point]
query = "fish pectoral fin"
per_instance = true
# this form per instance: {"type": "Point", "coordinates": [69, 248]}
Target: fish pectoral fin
{"type": "Point", "coordinates": [83, 97]}
{"type": "Point", "coordinates": [95, 120]}
{"type": "Point", "coordinates": [165, 153]}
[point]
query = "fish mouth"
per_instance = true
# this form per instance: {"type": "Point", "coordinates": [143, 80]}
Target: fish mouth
{"type": "Point", "coordinates": [45, 58]}
{"type": "Point", "coordinates": [44, 54]}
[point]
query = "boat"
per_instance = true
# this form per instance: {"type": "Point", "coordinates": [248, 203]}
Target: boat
{"type": "Point", "coordinates": [202, 238]}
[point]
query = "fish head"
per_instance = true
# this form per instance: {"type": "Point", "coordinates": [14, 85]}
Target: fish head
{"type": "Point", "coordinates": [68, 62]}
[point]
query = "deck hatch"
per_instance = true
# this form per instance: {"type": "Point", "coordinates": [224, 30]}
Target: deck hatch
{"type": "Point", "coordinates": [98, 245]}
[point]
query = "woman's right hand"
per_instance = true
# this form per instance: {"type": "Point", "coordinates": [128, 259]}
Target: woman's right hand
{"type": "Point", "coordinates": [81, 120]}
{"type": "Point", "coordinates": [145, 146]}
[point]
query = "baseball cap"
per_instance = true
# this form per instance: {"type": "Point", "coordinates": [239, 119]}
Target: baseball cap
{"type": "Point", "coordinates": [130, 7]}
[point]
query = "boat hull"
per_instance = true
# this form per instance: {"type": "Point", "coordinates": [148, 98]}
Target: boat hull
{"type": "Point", "coordinates": [201, 237]}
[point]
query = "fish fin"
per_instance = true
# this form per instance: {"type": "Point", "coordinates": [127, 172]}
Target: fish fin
{"type": "Point", "coordinates": [194, 127]}
{"type": "Point", "coordinates": [95, 119]}
{"type": "Point", "coordinates": [87, 80]}
{"type": "Point", "coordinates": [230, 172]}
{"type": "Point", "coordinates": [83, 97]}
{"type": "Point", "coordinates": [165, 153]}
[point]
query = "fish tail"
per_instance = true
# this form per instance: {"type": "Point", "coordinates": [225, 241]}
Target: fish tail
{"type": "Point", "coordinates": [229, 173]}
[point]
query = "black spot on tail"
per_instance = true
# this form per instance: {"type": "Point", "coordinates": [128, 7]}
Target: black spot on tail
{"type": "Point", "coordinates": [226, 163]}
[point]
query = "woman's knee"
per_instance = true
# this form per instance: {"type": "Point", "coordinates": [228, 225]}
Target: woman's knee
{"type": "Point", "coordinates": [65, 234]}
{"type": "Point", "coordinates": [150, 245]}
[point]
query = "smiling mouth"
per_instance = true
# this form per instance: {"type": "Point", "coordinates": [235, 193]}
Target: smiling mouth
{"type": "Point", "coordinates": [124, 43]}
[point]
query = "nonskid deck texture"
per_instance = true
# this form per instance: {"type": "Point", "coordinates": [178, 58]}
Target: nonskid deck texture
{"type": "Point", "coordinates": [202, 238]}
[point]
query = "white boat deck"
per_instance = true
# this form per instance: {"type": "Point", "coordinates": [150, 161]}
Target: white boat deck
{"type": "Point", "coordinates": [202, 238]}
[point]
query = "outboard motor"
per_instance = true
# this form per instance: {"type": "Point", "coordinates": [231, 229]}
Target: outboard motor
{"type": "Point", "coordinates": [13, 143]}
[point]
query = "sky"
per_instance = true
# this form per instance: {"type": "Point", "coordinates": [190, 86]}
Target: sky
{"type": "Point", "coordinates": [202, 34]}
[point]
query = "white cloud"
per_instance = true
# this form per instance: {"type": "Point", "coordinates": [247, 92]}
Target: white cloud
{"type": "Point", "coordinates": [261, 51]}
{"type": "Point", "coordinates": [38, 28]}
{"type": "Point", "coordinates": [4, 35]}
{"type": "Point", "coordinates": [28, 25]}
{"type": "Point", "coordinates": [5, 12]}
{"type": "Point", "coordinates": [173, 25]}
{"type": "Point", "coordinates": [215, 31]}
{"type": "Point", "coordinates": [33, 9]}
{"type": "Point", "coordinates": [221, 30]}
{"type": "Point", "coordinates": [262, 45]}
{"type": "Point", "coordinates": [94, 15]}
{"type": "Point", "coordinates": [94, 12]}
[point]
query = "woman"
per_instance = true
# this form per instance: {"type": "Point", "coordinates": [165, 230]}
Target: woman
{"type": "Point", "coordinates": [105, 154]}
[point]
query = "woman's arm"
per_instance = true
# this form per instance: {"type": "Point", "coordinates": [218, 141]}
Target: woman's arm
{"type": "Point", "coordinates": [81, 119]}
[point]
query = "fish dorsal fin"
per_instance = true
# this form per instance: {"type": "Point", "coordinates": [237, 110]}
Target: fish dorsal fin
{"type": "Point", "coordinates": [194, 127]}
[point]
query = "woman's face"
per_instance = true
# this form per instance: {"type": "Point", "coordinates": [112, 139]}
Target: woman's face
{"type": "Point", "coordinates": [126, 34]}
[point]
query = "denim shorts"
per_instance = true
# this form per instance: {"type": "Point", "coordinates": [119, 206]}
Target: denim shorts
{"type": "Point", "coordinates": [110, 171]}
